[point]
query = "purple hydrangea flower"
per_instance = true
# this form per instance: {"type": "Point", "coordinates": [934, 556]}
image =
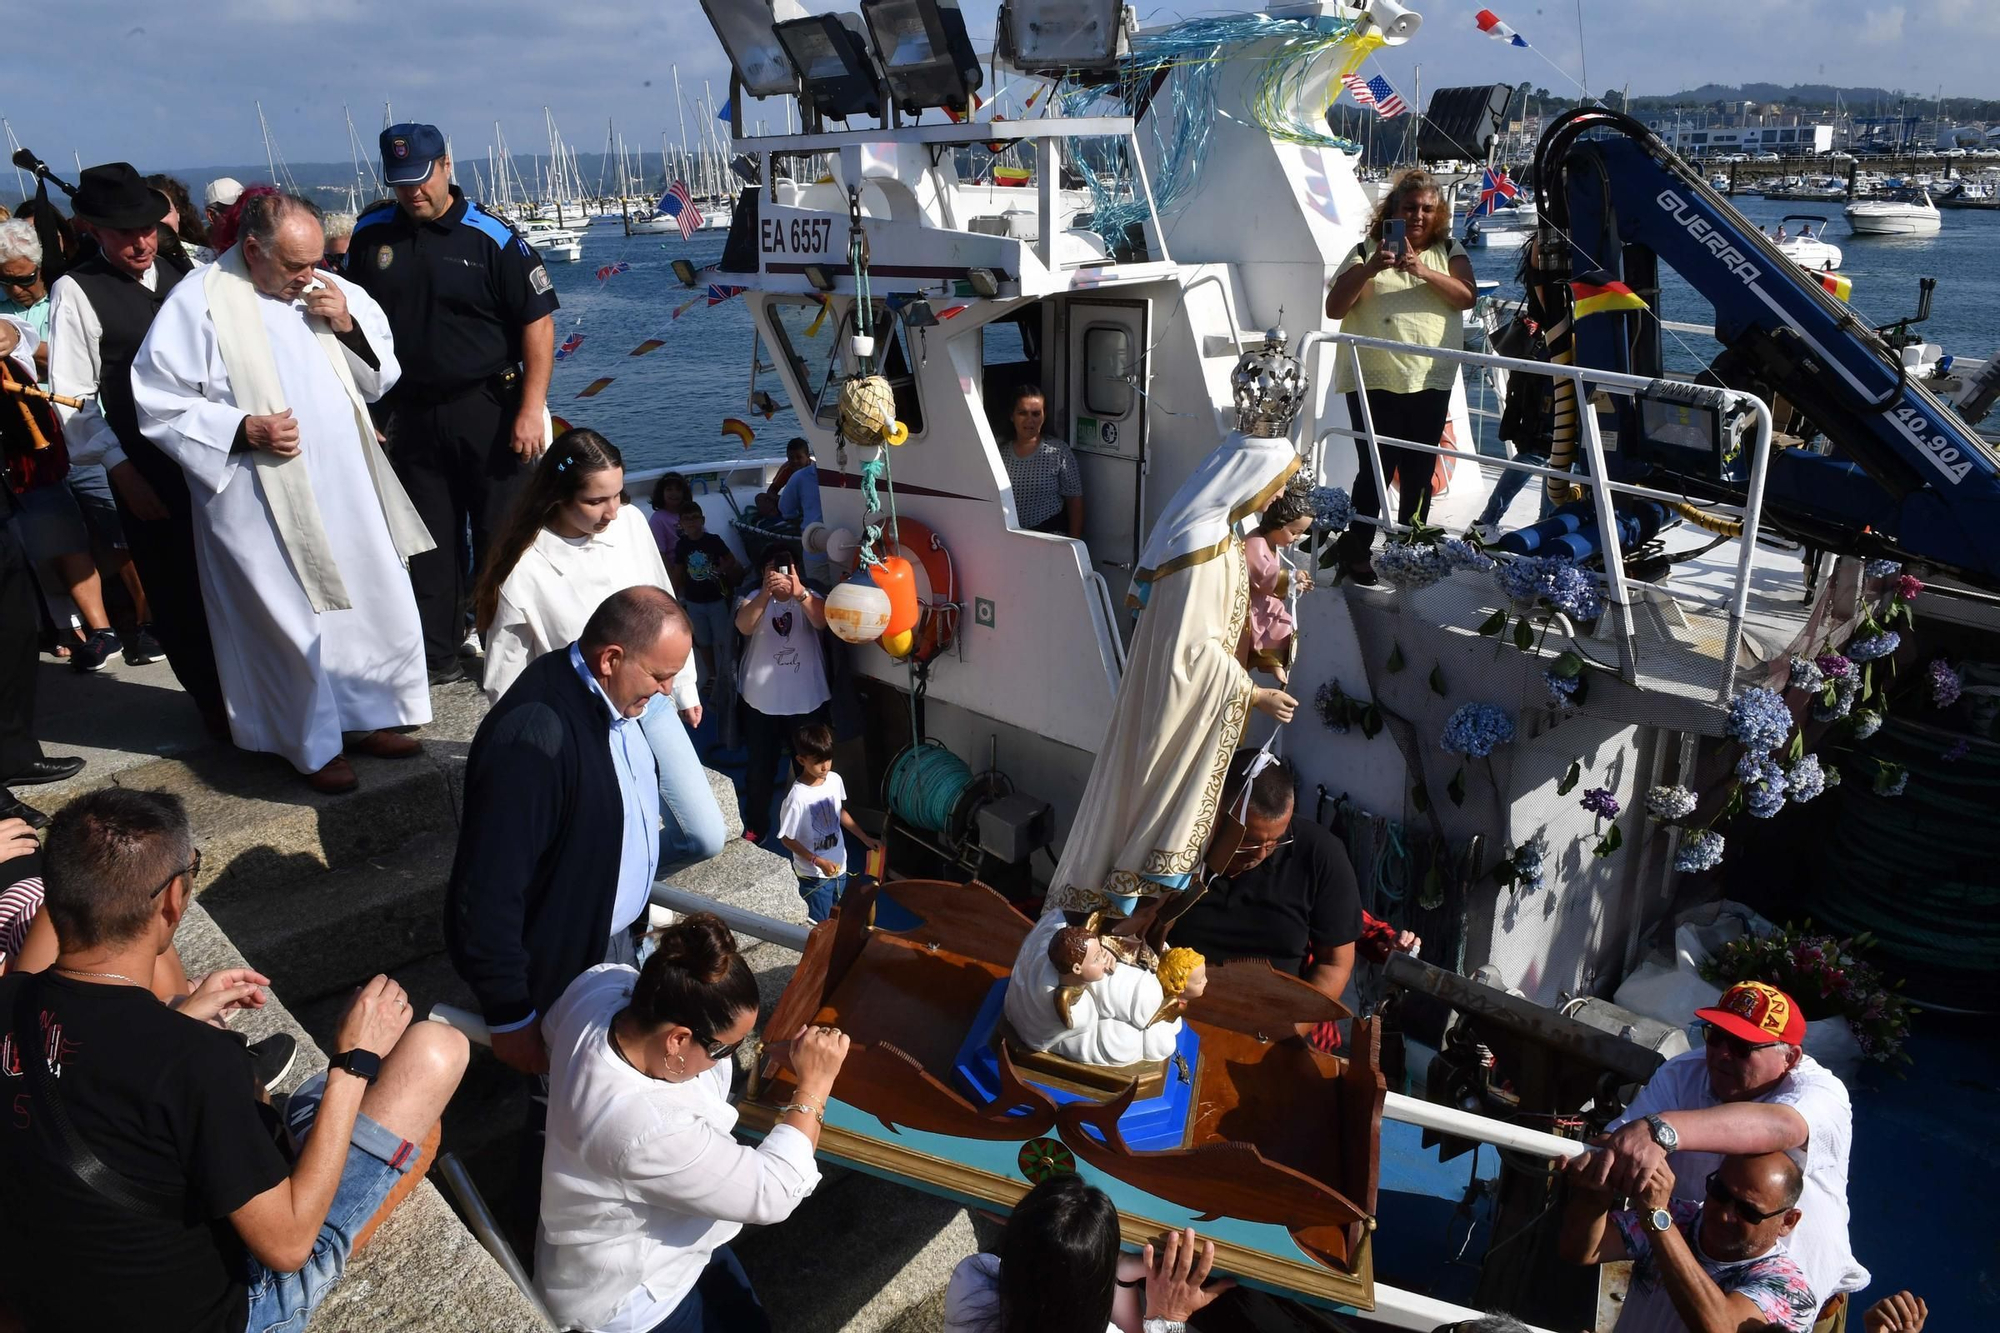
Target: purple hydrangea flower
{"type": "Point", "coordinates": [1874, 646]}
{"type": "Point", "coordinates": [1833, 666]}
{"type": "Point", "coordinates": [1945, 684]}
{"type": "Point", "coordinates": [1669, 804]}
{"type": "Point", "coordinates": [1474, 729]}
{"type": "Point", "coordinates": [1700, 850]}
{"type": "Point", "coordinates": [1600, 802]}
{"type": "Point", "coordinates": [1759, 719]}
{"type": "Point", "coordinates": [1959, 749]}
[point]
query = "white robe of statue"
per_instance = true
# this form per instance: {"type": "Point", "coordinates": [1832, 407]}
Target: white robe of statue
{"type": "Point", "coordinates": [1108, 1020]}
{"type": "Point", "coordinates": [293, 679]}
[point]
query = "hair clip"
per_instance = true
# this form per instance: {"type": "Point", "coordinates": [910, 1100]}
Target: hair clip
{"type": "Point", "coordinates": [562, 464]}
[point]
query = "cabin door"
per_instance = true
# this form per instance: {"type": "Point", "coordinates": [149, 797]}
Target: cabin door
{"type": "Point", "coordinates": [1107, 430]}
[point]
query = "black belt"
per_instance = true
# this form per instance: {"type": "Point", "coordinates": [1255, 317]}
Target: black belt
{"type": "Point", "coordinates": [421, 396]}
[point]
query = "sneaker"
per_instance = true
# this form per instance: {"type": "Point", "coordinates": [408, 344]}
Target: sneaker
{"type": "Point", "coordinates": [93, 652]}
{"type": "Point", "coordinates": [449, 674]}
{"type": "Point", "coordinates": [272, 1058]}
{"type": "Point", "coordinates": [144, 648]}
{"type": "Point", "coordinates": [471, 647]}
{"type": "Point", "coordinates": [1488, 533]}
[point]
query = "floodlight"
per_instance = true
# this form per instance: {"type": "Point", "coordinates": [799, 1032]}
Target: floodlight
{"type": "Point", "coordinates": [684, 270]}
{"type": "Point", "coordinates": [984, 281]}
{"type": "Point", "coordinates": [1056, 37]}
{"type": "Point", "coordinates": [832, 60]}
{"type": "Point", "coordinates": [744, 28]}
{"type": "Point", "coordinates": [819, 278]}
{"type": "Point", "coordinates": [924, 51]}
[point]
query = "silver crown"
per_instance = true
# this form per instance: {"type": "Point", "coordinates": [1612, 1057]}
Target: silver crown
{"type": "Point", "coordinates": [1269, 386]}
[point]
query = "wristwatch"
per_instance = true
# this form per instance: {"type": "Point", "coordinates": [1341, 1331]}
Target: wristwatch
{"type": "Point", "coordinates": [1663, 1133]}
{"type": "Point", "coordinates": [1659, 1221]}
{"type": "Point", "coordinates": [362, 1064]}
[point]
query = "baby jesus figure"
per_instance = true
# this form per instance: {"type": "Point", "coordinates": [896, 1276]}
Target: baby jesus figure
{"type": "Point", "coordinates": [1072, 995]}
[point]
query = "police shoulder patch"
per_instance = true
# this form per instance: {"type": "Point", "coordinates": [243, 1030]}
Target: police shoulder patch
{"type": "Point", "coordinates": [384, 256]}
{"type": "Point", "coordinates": [538, 278]}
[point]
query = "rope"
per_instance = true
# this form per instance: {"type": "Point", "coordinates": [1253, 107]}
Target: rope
{"type": "Point", "coordinates": [926, 783]}
{"type": "Point", "coordinates": [1701, 518]}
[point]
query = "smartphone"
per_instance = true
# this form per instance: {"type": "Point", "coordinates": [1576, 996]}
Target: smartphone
{"type": "Point", "coordinates": [1395, 234]}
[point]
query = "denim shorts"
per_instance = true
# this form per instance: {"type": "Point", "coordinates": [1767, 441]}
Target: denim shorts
{"type": "Point", "coordinates": [376, 1161]}
{"type": "Point", "coordinates": [91, 488]}
{"type": "Point", "coordinates": [822, 895]}
{"type": "Point", "coordinates": [51, 524]}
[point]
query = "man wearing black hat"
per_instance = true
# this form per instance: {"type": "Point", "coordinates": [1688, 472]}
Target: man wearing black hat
{"type": "Point", "coordinates": [99, 313]}
{"type": "Point", "coordinates": [472, 311]}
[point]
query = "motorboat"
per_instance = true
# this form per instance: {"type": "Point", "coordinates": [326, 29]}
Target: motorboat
{"type": "Point", "coordinates": [1504, 229]}
{"type": "Point", "coordinates": [1807, 247]}
{"type": "Point", "coordinates": [1915, 216]}
{"type": "Point", "coordinates": [553, 241]}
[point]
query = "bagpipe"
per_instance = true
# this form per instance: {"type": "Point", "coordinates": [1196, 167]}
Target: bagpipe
{"type": "Point", "coordinates": [31, 440]}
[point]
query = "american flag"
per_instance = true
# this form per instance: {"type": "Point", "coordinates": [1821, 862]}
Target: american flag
{"type": "Point", "coordinates": [1375, 92]}
{"type": "Point", "coordinates": [678, 204]}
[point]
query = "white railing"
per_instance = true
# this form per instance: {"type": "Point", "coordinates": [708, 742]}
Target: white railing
{"type": "Point", "coordinates": [1105, 608]}
{"type": "Point", "coordinates": [1595, 480]}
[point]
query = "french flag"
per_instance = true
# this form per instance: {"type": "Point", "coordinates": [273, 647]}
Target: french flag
{"type": "Point", "coordinates": [1490, 24]}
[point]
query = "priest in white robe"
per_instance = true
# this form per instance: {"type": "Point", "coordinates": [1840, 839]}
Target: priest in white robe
{"type": "Point", "coordinates": [256, 377]}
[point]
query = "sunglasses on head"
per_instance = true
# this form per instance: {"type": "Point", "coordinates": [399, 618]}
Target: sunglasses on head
{"type": "Point", "coordinates": [1720, 1193]}
{"type": "Point", "coordinates": [1735, 1045]}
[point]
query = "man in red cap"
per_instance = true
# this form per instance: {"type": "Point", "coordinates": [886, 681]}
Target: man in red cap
{"type": "Point", "coordinates": [1752, 1090]}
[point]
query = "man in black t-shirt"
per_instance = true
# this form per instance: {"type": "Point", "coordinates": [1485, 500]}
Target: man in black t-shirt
{"type": "Point", "coordinates": [169, 1205]}
{"type": "Point", "coordinates": [1288, 894]}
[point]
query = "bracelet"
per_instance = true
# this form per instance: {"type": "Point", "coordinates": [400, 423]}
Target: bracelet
{"type": "Point", "coordinates": [817, 1111]}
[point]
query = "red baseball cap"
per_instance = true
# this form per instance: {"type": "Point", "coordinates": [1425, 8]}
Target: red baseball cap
{"type": "Point", "coordinates": [1758, 1014]}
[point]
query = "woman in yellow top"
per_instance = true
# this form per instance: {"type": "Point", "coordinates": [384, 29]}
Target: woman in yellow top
{"type": "Point", "coordinates": [1413, 293]}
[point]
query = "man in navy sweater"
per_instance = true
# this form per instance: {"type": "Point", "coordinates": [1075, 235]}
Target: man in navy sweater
{"type": "Point", "coordinates": [559, 830]}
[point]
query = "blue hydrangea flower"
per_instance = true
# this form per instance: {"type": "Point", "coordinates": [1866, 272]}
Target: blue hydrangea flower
{"type": "Point", "coordinates": [1474, 729]}
{"type": "Point", "coordinates": [1866, 723]}
{"type": "Point", "coordinates": [1668, 804]}
{"type": "Point", "coordinates": [1332, 509]}
{"type": "Point", "coordinates": [1882, 569]}
{"type": "Point", "coordinates": [1561, 689]}
{"type": "Point", "coordinates": [1764, 799]}
{"type": "Point", "coordinates": [1600, 802]}
{"type": "Point", "coordinates": [1845, 688]}
{"type": "Point", "coordinates": [1891, 779]}
{"type": "Point", "coordinates": [1759, 719]}
{"type": "Point", "coordinates": [1874, 646]}
{"type": "Point", "coordinates": [1531, 863]}
{"type": "Point", "coordinates": [1553, 581]}
{"type": "Point", "coordinates": [1946, 684]}
{"type": "Point", "coordinates": [1700, 850]}
{"type": "Point", "coordinates": [1805, 780]}
{"type": "Point", "coordinates": [1464, 555]}
{"type": "Point", "coordinates": [1411, 566]}
{"type": "Point", "coordinates": [1806, 675]}
{"type": "Point", "coordinates": [1758, 768]}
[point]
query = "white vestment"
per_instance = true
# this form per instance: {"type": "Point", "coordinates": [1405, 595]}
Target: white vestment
{"type": "Point", "coordinates": [1108, 1020]}
{"type": "Point", "coordinates": [293, 678]}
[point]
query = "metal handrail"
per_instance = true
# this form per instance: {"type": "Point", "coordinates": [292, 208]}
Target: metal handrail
{"type": "Point", "coordinates": [1601, 486]}
{"type": "Point", "coordinates": [479, 1220]}
{"type": "Point", "coordinates": [1107, 618]}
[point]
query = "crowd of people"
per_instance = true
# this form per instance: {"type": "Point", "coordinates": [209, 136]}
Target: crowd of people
{"type": "Point", "coordinates": [312, 460]}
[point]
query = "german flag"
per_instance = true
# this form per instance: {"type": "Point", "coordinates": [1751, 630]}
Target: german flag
{"type": "Point", "coordinates": [1597, 292]}
{"type": "Point", "coordinates": [1834, 285]}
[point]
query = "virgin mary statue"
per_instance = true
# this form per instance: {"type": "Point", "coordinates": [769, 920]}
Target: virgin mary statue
{"type": "Point", "coordinates": [1151, 802]}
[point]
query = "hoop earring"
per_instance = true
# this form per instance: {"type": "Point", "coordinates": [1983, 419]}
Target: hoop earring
{"type": "Point", "coordinates": [680, 1064]}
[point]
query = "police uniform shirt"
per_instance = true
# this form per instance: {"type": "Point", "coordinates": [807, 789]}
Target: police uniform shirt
{"type": "Point", "coordinates": [457, 290]}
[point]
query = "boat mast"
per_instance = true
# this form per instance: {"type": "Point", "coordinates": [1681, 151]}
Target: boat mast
{"type": "Point", "coordinates": [14, 146]}
{"type": "Point", "coordinates": [680, 109]}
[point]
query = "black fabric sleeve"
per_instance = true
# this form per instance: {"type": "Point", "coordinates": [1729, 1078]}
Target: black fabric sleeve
{"type": "Point", "coordinates": [1336, 905]}
{"type": "Point", "coordinates": [228, 1151]}
{"type": "Point", "coordinates": [512, 810]}
{"type": "Point", "coordinates": [526, 293]}
{"type": "Point", "coordinates": [356, 341]}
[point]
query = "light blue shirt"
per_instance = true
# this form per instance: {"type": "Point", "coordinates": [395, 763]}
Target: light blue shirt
{"type": "Point", "coordinates": [799, 501]}
{"type": "Point", "coordinates": [639, 786]}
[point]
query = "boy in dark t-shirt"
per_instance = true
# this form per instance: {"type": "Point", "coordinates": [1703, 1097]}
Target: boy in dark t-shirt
{"type": "Point", "coordinates": [705, 570]}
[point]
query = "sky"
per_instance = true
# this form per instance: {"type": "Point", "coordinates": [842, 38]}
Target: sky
{"type": "Point", "coordinates": [177, 86]}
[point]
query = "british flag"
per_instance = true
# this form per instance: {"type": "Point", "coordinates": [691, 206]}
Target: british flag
{"type": "Point", "coordinates": [678, 204]}
{"type": "Point", "coordinates": [1495, 189]}
{"type": "Point", "coordinates": [1375, 92]}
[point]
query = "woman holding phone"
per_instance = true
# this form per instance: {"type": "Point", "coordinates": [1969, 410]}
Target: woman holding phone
{"type": "Point", "coordinates": [1407, 282]}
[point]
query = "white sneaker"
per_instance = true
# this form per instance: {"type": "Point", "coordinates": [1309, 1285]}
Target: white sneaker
{"type": "Point", "coordinates": [1488, 533]}
{"type": "Point", "coordinates": [471, 646]}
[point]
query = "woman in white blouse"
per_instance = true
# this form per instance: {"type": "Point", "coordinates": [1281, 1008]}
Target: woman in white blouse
{"type": "Point", "coordinates": [570, 542]}
{"type": "Point", "coordinates": [642, 1185]}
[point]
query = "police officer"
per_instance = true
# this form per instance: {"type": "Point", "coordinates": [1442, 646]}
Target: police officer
{"type": "Point", "coordinates": [472, 310]}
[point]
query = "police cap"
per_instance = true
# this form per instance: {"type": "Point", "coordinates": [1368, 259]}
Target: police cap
{"type": "Point", "coordinates": [409, 151]}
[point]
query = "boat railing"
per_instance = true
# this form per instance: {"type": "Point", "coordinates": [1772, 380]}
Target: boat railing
{"type": "Point", "coordinates": [1104, 608]}
{"type": "Point", "coordinates": [1592, 477]}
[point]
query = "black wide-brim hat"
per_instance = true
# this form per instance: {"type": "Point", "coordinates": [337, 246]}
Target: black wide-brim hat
{"type": "Point", "coordinates": [115, 195]}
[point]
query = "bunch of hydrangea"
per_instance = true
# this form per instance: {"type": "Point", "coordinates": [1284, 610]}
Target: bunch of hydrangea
{"type": "Point", "coordinates": [1562, 689]}
{"type": "Point", "coordinates": [1670, 804]}
{"type": "Point", "coordinates": [1882, 569]}
{"type": "Point", "coordinates": [1959, 749]}
{"type": "Point", "coordinates": [1531, 863]}
{"type": "Point", "coordinates": [1554, 581]}
{"type": "Point", "coordinates": [1806, 675]}
{"type": "Point", "coordinates": [1764, 800]}
{"type": "Point", "coordinates": [1332, 509]}
{"type": "Point", "coordinates": [1751, 767]}
{"type": "Point", "coordinates": [1759, 719]}
{"type": "Point", "coordinates": [1907, 587]}
{"type": "Point", "coordinates": [1474, 729]}
{"type": "Point", "coordinates": [1600, 802]}
{"type": "Point", "coordinates": [1805, 779]}
{"type": "Point", "coordinates": [1834, 666]}
{"type": "Point", "coordinates": [1464, 555]}
{"type": "Point", "coordinates": [1411, 566]}
{"type": "Point", "coordinates": [1331, 704]}
{"type": "Point", "coordinates": [1700, 850]}
{"type": "Point", "coordinates": [1845, 688]}
{"type": "Point", "coordinates": [1880, 644]}
{"type": "Point", "coordinates": [1892, 784]}
{"type": "Point", "coordinates": [1945, 684]}
{"type": "Point", "coordinates": [1866, 723]}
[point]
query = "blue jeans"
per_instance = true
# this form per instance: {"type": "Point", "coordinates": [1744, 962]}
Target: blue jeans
{"type": "Point", "coordinates": [715, 630]}
{"type": "Point", "coordinates": [692, 829]}
{"type": "Point", "coordinates": [722, 1301]}
{"type": "Point", "coordinates": [821, 895]}
{"type": "Point", "coordinates": [1510, 485]}
{"type": "Point", "coordinates": [376, 1161]}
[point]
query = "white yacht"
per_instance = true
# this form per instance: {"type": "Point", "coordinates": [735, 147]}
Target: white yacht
{"type": "Point", "coordinates": [1808, 247]}
{"type": "Point", "coordinates": [1916, 216]}
{"type": "Point", "coordinates": [1506, 229]}
{"type": "Point", "coordinates": [555, 242]}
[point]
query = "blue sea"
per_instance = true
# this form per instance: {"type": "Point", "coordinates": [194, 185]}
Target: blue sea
{"type": "Point", "coordinates": [667, 407]}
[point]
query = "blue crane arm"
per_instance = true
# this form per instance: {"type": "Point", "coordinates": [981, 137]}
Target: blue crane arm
{"type": "Point", "coordinates": [1905, 475]}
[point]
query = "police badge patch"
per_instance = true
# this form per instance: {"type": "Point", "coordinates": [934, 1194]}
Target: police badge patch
{"type": "Point", "coordinates": [383, 256]}
{"type": "Point", "coordinates": [538, 278]}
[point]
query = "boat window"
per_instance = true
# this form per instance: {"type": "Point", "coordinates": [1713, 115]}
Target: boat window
{"type": "Point", "coordinates": [1107, 374]}
{"type": "Point", "coordinates": [802, 334]}
{"type": "Point", "coordinates": [1010, 355]}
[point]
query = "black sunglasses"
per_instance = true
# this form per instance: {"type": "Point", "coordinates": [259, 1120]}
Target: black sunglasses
{"type": "Point", "coordinates": [1735, 1045]}
{"type": "Point", "coordinates": [717, 1050]}
{"type": "Point", "coordinates": [1719, 1192]}
{"type": "Point", "coordinates": [191, 870]}
{"type": "Point", "coordinates": [8, 280]}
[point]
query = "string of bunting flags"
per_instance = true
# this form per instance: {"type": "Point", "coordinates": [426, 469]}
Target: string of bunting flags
{"type": "Point", "coordinates": [714, 294]}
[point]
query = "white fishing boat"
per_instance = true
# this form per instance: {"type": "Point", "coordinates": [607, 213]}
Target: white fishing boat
{"type": "Point", "coordinates": [1916, 216]}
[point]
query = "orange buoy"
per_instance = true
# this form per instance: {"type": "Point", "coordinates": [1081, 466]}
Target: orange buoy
{"type": "Point", "coordinates": [895, 577]}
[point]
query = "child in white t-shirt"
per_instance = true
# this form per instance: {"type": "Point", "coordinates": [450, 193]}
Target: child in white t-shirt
{"type": "Point", "coordinates": [812, 819]}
